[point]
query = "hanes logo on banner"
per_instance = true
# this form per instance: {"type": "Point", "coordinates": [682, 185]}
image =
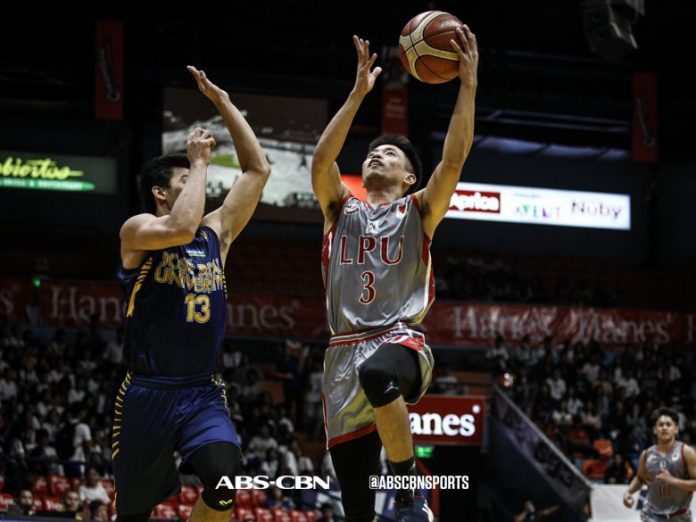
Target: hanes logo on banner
{"type": "Point", "coordinates": [440, 419]}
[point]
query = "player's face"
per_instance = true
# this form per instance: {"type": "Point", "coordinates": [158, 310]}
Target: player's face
{"type": "Point", "coordinates": [385, 164]}
{"type": "Point", "coordinates": [665, 428]}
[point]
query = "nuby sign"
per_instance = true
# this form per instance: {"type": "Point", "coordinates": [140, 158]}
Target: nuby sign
{"type": "Point", "coordinates": [539, 206]}
{"type": "Point", "coordinates": [442, 419]}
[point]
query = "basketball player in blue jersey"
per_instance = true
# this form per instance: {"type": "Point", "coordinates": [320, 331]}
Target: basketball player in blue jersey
{"type": "Point", "coordinates": [173, 259]}
{"type": "Point", "coordinates": [379, 283]}
{"type": "Point", "coordinates": [669, 470]}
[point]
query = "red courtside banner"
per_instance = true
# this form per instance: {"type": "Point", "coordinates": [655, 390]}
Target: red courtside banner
{"type": "Point", "coordinates": [69, 303]}
{"type": "Point", "coordinates": [645, 149]}
{"type": "Point", "coordinates": [108, 70]}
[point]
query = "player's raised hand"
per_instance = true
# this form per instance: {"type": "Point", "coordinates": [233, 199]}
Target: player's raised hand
{"type": "Point", "coordinates": [211, 91]}
{"type": "Point", "coordinates": [365, 77]}
{"type": "Point", "coordinates": [467, 49]}
{"type": "Point", "coordinates": [199, 145]}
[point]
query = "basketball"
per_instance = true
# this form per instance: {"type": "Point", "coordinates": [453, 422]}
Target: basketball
{"type": "Point", "coordinates": [425, 49]}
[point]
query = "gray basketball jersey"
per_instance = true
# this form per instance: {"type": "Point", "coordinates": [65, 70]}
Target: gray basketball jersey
{"type": "Point", "coordinates": [663, 499]}
{"type": "Point", "coordinates": [376, 266]}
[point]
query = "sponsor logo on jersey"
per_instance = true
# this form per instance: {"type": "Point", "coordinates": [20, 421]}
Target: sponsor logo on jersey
{"type": "Point", "coordinates": [350, 208]}
{"type": "Point", "coordinates": [372, 227]}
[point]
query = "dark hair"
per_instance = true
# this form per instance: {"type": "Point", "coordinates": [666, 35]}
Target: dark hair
{"type": "Point", "coordinates": [665, 412]}
{"type": "Point", "coordinates": [403, 143]}
{"type": "Point", "coordinates": [157, 172]}
{"type": "Point", "coordinates": [94, 505]}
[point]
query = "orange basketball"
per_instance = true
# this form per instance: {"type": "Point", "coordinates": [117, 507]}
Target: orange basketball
{"type": "Point", "coordinates": [424, 47]}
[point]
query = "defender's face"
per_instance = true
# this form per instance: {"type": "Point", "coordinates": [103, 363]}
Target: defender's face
{"type": "Point", "coordinates": [385, 164]}
{"type": "Point", "coordinates": [167, 196]}
{"type": "Point", "coordinates": [665, 428]}
{"type": "Point", "coordinates": [176, 184]}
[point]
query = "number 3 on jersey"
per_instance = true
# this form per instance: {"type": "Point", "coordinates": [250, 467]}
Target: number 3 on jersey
{"type": "Point", "coordinates": [197, 308]}
{"type": "Point", "coordinates": [369, 293]}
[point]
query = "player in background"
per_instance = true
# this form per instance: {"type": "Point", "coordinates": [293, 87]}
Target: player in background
{"type": "Point", "coordinates": [173, 259]}
{"type": "Point", "coordinates": [379, 283]}
{"type": "Point", "coordinates": [668, 469]}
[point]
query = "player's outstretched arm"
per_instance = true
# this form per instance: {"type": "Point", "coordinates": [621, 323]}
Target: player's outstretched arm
{"type": "Point", "coordinates": [326, 179]}
{"type": "Point", "coordinates": [240, 203]}
{"type": "Point", "coordinates": [435, 197]}
{"type": "Point", "coordinates": [146, 232]}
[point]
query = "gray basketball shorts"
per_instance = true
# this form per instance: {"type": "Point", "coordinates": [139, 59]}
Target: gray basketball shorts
{"type": "Point", "coordinates": [347, 412]}
{"type": "Point", "coordinates": [649, 517]}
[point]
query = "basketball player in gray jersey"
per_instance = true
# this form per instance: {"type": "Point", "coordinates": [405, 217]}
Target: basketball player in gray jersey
{"type": "Point", "coordinates": [379, 283]}
{"type": "Point", "coordinates": [667, 468]}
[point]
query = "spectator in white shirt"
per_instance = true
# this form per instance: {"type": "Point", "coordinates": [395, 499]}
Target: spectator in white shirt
{"type": "Point", "coordinates": [8, 385]}
{"type": "Point", "coordinates": [574, 403]}
{"type": "Point", "coordinates": [261, 443]}
{"type": "Point", "coordinates": [113, 353]}
{"type": "Point", "coordinates": [591, 370]}
{"type": "Point", "coordinates": [628, 384]}
{"type": "Point", "coordinates": [557, 385]}
{"type": "Point", "coordinates": [92, 488]}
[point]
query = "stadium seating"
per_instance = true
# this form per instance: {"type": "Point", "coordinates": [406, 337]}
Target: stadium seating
{"type": "Point", "coordinates": [165, 511]}
{"type": "Point", "coordinates": [259, 498]}
{"type": "Point", "coordinates": [263, 515]}
{"type": "Point", "coordinates": [58, 484]}
{"type": "Point", "coordinates": [188, 495]}
{"type": "Point", "coordinates": [6, 500]}
{"type": "Point", "coordinates": [243, 499]}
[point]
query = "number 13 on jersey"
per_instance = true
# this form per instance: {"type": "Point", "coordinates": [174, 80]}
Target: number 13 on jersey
{"type": "Point", "coordinates": [197, 308]}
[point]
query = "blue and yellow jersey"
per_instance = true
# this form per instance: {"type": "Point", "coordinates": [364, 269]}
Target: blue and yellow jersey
{"type": "Point", "coordinates": [176, 309]}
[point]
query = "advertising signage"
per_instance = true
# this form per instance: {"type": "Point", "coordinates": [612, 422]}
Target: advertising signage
{"type": "Point", "coordinates": [53, 172]}
{"type": "Point", "coordinates": [540, 206]}
{"type": "Point", "coordinates": [448, 420]}
{"type": "Point", "coordinates": [287, 129]}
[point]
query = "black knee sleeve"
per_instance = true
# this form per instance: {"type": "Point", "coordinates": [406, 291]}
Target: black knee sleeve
{"type": "Point", "coordinates": [391, 371]}
{"type": "Point", "coordinates": [354, 462]}
{"type": "Point", "coordinates": [380, 383]}
{"type": "Point", "coordinates": [211, 463]}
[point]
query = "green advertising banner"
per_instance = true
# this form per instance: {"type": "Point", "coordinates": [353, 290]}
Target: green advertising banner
{"type": "Point", "coordinates": [32, 171]}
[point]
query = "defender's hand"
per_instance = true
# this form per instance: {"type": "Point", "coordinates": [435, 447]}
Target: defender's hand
{"type": "Point", "coordinates": [214, 93]}
{"type": "Point", "coordinates": [200, 145]}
